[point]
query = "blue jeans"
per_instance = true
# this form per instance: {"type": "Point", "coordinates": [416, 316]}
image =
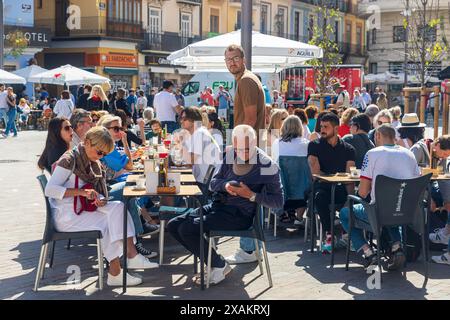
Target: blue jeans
{"type": "Point", "coordinates": [4, 116]}
{"type": "Point", "coordinates": [11, 122]}
{"type": "Point", "coordinates": [248, 244]}
{"type": "Point", "coordinates": [171, 126]}
{"type": "Point", "coordinates": [357, 235]}
{"type": "Point", "coordinates": [117, 193]}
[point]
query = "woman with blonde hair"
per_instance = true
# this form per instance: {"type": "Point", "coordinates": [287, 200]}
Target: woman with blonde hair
{"type": "Point", "coordinates": [276, 121]}
{"type": "Point", "coordinates": [79, 175]}
{"type": "Point", "coordinates": [97, 99]}
{"type": "Point", "coordinates": [347, 115]}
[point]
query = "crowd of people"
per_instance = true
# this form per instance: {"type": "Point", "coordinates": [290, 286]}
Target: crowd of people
{"type": "Point", "coordinates": [88, 154]}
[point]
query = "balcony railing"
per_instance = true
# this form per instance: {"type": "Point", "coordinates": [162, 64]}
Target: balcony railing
{"type": "Point", "coordinates": [166, 42]}
{"type": "Point", "coordinates": [194, 2]}
{"type": "Point", "coordinates": [352, 49]}
{"type": "Point", "coordinates": [93, 27]}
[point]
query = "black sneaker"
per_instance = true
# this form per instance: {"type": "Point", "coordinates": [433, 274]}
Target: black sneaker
{"type": "Point", "coordinates": [149, 229]}
{"type": "Point", "coordinates": [145, 252]}
{"type": "Point", "coordinates": [396, 260]}
{"type": "Point", "coordinates": [371, 260]}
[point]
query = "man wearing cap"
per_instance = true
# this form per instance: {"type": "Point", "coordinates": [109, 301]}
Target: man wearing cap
{"type": "Point", "coordinates": [166, 107]}
{"type": "Point", "coordinates": [342, 97]}
{"type": "Point", "coordinates": [223, 97]}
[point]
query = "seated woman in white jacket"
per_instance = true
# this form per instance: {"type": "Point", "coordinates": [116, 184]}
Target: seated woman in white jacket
{"type": "Point", "coordinates": [81, 167]}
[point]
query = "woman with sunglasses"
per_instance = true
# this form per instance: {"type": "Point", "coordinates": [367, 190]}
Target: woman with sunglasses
{"type": "Point", "coordinates": [97, 99]}
{"type": "Point", "coordinates": [59, 138]}
{"type": "Point", "coordinates": [117, 165]}
{"type": "Point", "coordinates": [81, 167]}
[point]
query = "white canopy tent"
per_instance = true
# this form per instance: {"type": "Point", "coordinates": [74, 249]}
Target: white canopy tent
{"type": "Point", "coordinates": [11, 78]}
{"type": "Point", "coordinates": [269, 53]}
{"type": "Point", "coordinates": [29, 71]}
{"type": "Point", "coordinates": [68, 75]}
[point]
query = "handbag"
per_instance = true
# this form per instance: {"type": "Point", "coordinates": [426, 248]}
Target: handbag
{"type": "Point", "coordinates": [86, 204]}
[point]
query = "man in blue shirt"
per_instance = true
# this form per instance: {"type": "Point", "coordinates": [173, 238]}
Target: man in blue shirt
{"type": "Point", "coordinates": [224, 99]}
{"type": "Point", "coordinates": [132, 103]}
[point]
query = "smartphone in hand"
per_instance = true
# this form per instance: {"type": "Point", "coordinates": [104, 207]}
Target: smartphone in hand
{"type": "Point", "coordinates": [235, 184]}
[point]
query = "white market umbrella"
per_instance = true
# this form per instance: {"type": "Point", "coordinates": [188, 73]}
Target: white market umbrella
{"type": "Point", "coordinates": [68, 75]}
{"type": "Point", "coordinates": [269, 53]}
{"type": "Point", "coordinates": [29, 71]}
{"type": "Point", "coordinates": [11, 78]}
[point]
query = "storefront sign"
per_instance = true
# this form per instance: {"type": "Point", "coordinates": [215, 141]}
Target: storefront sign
{"type": "Point", "coordinates": [18, 12]}
{"type": "Point", "coordinates": [112, 60]}
{"type": "Point", "coordinates": [36, 37]}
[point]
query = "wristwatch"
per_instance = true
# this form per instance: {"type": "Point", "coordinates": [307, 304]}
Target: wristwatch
{"type": "Point", "coordinates": [253, 197]}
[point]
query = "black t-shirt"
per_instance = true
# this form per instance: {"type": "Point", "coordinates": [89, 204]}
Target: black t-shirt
{"type": "Point", "coordinates": [361, 143]}
{"type": "Point", "coordinates": [331, 159]}
{"type": "Point", "coordinates": [131, 137]}
{"type": "Point", "coordinates": [82, 101]}
{"type": "Point", "coordinates": [123, 105]}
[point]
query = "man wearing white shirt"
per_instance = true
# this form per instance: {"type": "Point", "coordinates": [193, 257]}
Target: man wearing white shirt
{"type": "Point", "coordinates": [166, 107]}
{"type": "Point", "coordinates": [390, 160]}
{"type": "Point", "coordinates": [367, 98]}
{"type": "Point", "coordinates": [3, 104]}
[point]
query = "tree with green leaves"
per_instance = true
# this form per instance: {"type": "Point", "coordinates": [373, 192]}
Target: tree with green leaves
{"type": "Point", "coordinates": [324, 36]}
{"type": "Point", "coordinates": [426, 36]}
{"type": "Point", "coordinates": [15, 43]}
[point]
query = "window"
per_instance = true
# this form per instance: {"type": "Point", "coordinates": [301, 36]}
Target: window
{"type": "Point", "coordinates": [374, 36]}
{"type": "Point", "coordinates": [311, 27]}
{"type": "Point", "coordinates": [298, 25]}
{"type": "Point", "coordinates": [373, 68]}
{"type": "Point", "coordinates": [396, 67]}
{"type": "Point", "coordinates": [265, 13]}
{"type": "Point", "coordinates": [359, 38]}
{"type": "Point", "coordinates": [186, 28]}
{"type": "Point", "coordinates": [214, 21]}
{"type": "Point", "coordinates": [128, 11]}
{"type": "Point", "coordinates": [154, 20]}
{"type": "Point", "coordinates": [190, 88]}
{"type": "Point", "coordinates": [281, 22]}
{"type": "Point", "coordinates": [399, 34]}
{"type": "Point", "coordinates": [348, 33]}
{"type": "Point", "coordinates": [40, 4]}
{"type": "Point", "coordinates": [238, 20]}
{"type": "Point", "coordinates": [429, 33]}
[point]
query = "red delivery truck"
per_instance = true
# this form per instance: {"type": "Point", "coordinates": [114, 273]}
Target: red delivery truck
{"type": "Point", "coordinates": [297, 82]}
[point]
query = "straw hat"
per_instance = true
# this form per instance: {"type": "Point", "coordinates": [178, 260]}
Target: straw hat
{"type": "Point", "coordinates": [411, 120]}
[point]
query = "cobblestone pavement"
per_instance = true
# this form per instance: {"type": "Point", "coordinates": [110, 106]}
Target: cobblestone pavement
{"type": "Point", "coordinates": [297, 274]}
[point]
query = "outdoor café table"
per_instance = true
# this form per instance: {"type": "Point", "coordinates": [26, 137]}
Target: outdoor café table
{"type": "Point", "coordinates": [171, 170]}
{"type": "Point", "coordinates": [334, 180]}
{"type": "Point", "coordinates": [184, 178]}
{"type": "Point", "coordinates": [189, 191]}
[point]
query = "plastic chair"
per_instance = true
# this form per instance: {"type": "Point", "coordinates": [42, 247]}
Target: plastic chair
{"type": "Point", "coordinates": [256, 232]}
{"type": "Point", "coordinates": [401, 206]}
{"type": "Point", "coordinates": [167, 213]}
{"type": "Point", "coordinates": [51, 235]}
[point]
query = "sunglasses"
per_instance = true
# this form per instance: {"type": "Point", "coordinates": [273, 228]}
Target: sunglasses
{"type": "Point", "coordinates": [67, 128]}
{"type": "Point", "coordinates": [101, 153]}
{"type": "Point", "coordinates": [116, 128]}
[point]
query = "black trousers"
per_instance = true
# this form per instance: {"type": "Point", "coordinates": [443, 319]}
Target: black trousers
{"type": "Point", "coordinates": [322, 202]}
{"type": "Point", "coordinates": [186, 228]}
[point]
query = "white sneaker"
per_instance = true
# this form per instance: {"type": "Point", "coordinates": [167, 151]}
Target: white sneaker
{"type": "Point", "coordinates": [241, 257]}
{"type": "Point", "coordinates": [439, 236]}
{"type": "Point", "coordinates": [442, 259]}
{"type": "Point", "coordinates": [217, 275]}
{"type": "Point", "coordinates": [141, 262]}
{"type": "Point", "coordinates": [118, 280]}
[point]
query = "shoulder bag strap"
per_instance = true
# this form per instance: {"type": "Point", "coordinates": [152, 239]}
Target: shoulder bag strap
{"type": "Point", "coordinates": [75, 199]}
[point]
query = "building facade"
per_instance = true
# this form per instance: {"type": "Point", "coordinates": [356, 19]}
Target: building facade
{"type": "Point", "coordinates": [386, 40]}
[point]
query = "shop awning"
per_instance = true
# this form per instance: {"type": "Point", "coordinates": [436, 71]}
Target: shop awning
{"type": "Point", "coordinates": [185, 71]}
{"type": "Point", "coordinates": [90, 69]}
{"type": "Point", "coordinates": [121, 71]}
{"type": "Point", "coordinates": [162, 70]}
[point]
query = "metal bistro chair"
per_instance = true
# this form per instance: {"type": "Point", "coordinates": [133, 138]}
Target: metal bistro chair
{"type": "Point", "coordinates": [167, 213]}
{"type": "Point", "coordinates": [401, 205]}
{"type": "Point", "coordinates": [256, 232]}
{"type": "Point", "coordinates": [51, 235]}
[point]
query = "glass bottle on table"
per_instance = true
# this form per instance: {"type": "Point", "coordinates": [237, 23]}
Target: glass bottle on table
{"type": "Point", "coordinates": [162, 174]}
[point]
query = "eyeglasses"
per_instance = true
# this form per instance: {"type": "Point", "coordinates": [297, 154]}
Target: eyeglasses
{"type": "Point", "coordinates": [116, 129]}
{"type": "Point", "coordinates": [234, 59]}
{"type": "Point", "coordinates": [380, 123]}
{"type": "Point", "coordinates": [101, 153]}
{"type": "Point", "coordinates": [67, 128]}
